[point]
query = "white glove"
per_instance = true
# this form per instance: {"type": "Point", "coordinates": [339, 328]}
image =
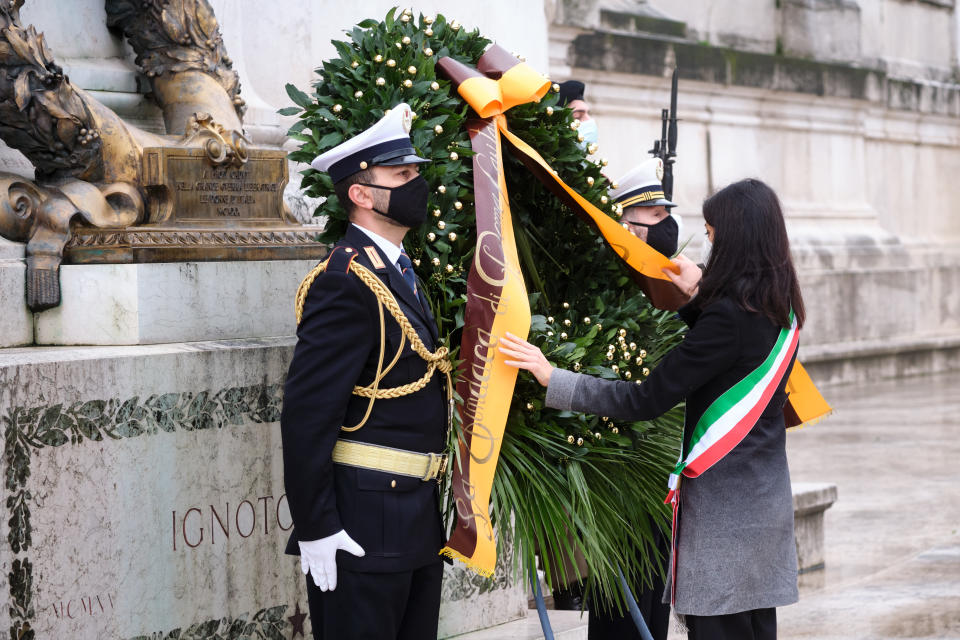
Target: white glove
{"type": "Point", "coordinates": [319, 558]}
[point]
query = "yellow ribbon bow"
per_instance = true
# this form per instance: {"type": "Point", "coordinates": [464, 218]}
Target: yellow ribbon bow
{"type": "Point", "coordinates": [518, 85]}
{"type": "Point", "coordinates": [501, 82]}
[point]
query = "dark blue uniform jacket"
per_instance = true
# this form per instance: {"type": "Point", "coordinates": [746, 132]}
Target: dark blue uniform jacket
{"type": "Point", "coordinates": [396, 519]}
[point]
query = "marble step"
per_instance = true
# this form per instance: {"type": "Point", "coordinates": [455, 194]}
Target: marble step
{"type": "Point", "coordinates": [567, 625]}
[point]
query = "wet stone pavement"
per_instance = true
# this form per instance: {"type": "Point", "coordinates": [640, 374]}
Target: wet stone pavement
{"type": "Point", "coordinates": [893, 536]}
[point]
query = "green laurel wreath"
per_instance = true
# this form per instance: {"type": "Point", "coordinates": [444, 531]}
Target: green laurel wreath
{"type": "Point", "coordinates": [564, 480]}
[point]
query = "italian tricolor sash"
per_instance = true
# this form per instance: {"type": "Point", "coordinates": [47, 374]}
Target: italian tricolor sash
{"type": "Point", "coordinates": [730, 418]}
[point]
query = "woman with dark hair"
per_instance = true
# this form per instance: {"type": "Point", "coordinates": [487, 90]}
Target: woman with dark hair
{"type": "Point", "coordinates": [734, 556]}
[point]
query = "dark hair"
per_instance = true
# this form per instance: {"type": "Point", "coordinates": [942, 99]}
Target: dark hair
{"type": "Point", "coordinates": [341, 188]}
{"type": "Point", "coordinates": [750, 259]}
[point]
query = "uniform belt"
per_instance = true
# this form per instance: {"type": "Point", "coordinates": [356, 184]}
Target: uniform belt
{"type": "Point", "coordinates": [426, 466]}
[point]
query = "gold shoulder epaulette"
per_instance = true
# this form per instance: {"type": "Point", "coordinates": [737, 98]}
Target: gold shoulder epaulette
{"type": "Point", "coordinates": [437, 360]}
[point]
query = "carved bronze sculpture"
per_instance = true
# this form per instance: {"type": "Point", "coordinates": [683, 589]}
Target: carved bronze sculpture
{"type": "Point", "coordinates": [106, 191]}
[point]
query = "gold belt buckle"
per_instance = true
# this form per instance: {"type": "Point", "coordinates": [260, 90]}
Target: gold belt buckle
{"type": "Point", "coordinates": [436, 466]}
{"type": "Point", "coordinates": [442, 471]}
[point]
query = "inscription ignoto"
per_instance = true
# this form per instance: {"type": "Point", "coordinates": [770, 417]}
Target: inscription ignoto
{"type": "Point", "coordinates": [190, 526]}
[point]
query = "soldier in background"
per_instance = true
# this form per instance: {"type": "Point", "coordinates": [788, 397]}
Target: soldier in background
{"type": "Point", "coordinates": [571, 96]}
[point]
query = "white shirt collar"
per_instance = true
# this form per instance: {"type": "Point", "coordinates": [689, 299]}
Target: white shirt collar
{"type": "Point", "coordinates": [391, 250]}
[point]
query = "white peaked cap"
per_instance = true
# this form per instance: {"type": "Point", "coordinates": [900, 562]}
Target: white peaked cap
{"type": "Point", "coordinates": [641, 186]}
{"type": "Point", "coordinates": [385, 143]}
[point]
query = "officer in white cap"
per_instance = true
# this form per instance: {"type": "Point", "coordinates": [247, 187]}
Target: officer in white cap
{"type": "Point", "coordinates": [365, 413]}
{"type": "Point", "coordinates": [646, 211]}
{"type": "Point", "coordinates": [387, 143]}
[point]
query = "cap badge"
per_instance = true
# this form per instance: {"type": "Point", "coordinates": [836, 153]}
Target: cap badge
{"type": "Point", "coordinates": [660, 171]}
{"type": "Point", "coordinates": [407, 119]}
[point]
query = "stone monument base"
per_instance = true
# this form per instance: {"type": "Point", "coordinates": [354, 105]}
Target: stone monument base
{"type": "Point", "coordinates": [16, 321]}
{"type": "Point", "coordinates": [117, 304]}
{"type": "Point", "coordinates": [144, 492]}
{"type": "Point", "coordinates": [157, 243]}
{"type": "Point", "coordinates": [865, 320]}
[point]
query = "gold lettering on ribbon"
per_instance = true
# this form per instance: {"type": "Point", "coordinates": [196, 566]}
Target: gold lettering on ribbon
{"type": "Point", "coordinates": [484, 433]}
{"type": "Point", "coordinates": [496, 303]}
{"type": "Point", "coordinates": [484, 250]}
{"type": "Point", "coordinates": [470, 514]}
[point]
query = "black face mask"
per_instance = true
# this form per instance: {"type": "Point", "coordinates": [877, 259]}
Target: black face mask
{"type": "Point", "coordinates": [408, 202]}
{"type": "Point", "coordinates": [662, 236]}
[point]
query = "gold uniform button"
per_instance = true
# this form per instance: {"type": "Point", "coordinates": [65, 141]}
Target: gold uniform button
{"type": "Point", "coordinates": [393, 483]}
{"type": "Point", "coordinates": [348, 250]}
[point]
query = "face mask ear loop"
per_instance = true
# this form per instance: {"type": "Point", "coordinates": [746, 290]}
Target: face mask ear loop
{"type": "Point", "coordinates": [377, 186]}
{"type": "Point", "coordinates": [706, 249]}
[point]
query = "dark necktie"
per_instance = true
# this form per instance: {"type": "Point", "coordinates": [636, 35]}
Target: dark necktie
{"type": "Point", "coordinates": [406, 268]}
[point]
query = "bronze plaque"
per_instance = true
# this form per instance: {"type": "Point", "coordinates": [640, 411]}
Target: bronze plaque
{"type": "Point", "coordinates": [186, 188]}
{"type": "Point", "coordinates": [197, 210]}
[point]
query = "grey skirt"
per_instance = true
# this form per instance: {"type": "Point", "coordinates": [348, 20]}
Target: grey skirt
{"type": "Point", "coordinates": [735, 548]}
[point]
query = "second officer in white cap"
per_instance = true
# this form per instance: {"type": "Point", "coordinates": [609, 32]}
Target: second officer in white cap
{"type": "Point", "coordinates": [645, 209]}
{"type": "Point", "coordinates": [365, 411]}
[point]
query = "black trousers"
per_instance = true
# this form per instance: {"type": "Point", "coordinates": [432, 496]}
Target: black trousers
{"type": "Point", "coordinates": [758, 624]}
{"type": "Point", "coordinates": [378, 606]}
{"type": "Point", "coordinates": [611, 625]}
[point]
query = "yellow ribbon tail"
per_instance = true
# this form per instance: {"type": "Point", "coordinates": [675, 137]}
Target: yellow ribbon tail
{"type": "Point", "coordinates": [481, 568]}
{"type": "Point", "coordinates": [635, 252]}
{"type": "Point", "coordinates": [805, 404]}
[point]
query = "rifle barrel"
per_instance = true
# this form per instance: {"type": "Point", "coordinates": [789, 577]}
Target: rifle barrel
{"type": "Point", "coordinates": [664, 122]}
{"type": "Point", "coordinates": [673, 94]}
{"type": "Point", "coordinates": [672, 134]}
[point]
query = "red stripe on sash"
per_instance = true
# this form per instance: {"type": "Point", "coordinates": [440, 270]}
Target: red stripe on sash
{"type": "Point", "coordinates": [724, 445]}
{"type": "Point", "coordinates": [675, 501]}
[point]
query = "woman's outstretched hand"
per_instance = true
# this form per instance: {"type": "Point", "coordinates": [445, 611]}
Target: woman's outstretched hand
{"type": "Point", "coordinates": [524, 355]}
{"type": "Point", "coordinates": [688, 280]}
